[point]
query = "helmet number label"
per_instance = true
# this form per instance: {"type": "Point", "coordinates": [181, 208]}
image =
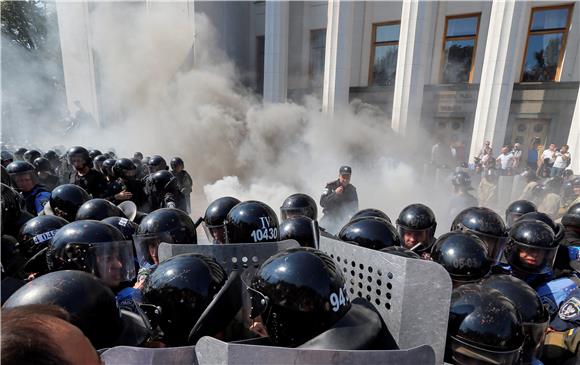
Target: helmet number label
{"type": "Point", "coordinates": [44, 237]}
{"type": "Point", "coordinates": [338, 300]}
{"type": "Point", "coordinates": [259, 235]}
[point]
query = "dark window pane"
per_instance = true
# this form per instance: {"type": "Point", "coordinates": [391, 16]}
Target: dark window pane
{"type": "Point", "coordinates": [385, 65]}
{"type": "Point", "coordinates": [457, 64]}
{"type": "Point", "coordinates": [542, 57]}
{"type": "Point", "coordinates": [318, 39]}
{"type": "Point", "coordinates": [550, 19]}
{"type": "Point", "coordinates": [317, 51]}
{"type": "Point", "coordinates": [462, 27]}
{"type": "Point", "coordinates": [387, 33]}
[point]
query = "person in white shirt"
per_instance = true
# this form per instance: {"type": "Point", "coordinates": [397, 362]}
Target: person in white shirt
{"type": "Point", "coordinates": [504, 161]}
{"type": "Point", "coordinates": [561, 161]}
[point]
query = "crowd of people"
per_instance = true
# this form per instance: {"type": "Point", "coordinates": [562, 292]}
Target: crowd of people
{"type": "Point", "coordinates": [82, 269]}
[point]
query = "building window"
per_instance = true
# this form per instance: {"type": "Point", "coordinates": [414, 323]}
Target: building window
{"type": "Point", "coordinates": [459, 44]}
{"type": "Point", "coordinates": [317, 49]}
{"type": "Point", "coordinates": [546, 42]}
{"type": "Point", "coordinates": [384, 52]}
{"type": "Point", "coordinates": [260, 64]}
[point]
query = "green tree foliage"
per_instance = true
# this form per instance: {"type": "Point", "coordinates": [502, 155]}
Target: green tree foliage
{"type": "Point", "coordinates": [24, 22]}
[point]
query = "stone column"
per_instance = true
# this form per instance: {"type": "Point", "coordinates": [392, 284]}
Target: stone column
{"type": "Point", "coordinates": [74, 27]}
{"type": "Point", "coordinates": [415, 43]}
{"type": "Point", "coordinates": [574, 138]}
{"type": "Point", "coordinates": [276, 52]}
{"type": "Point", "coordinates": [337, 59]}
{"type": "Point", "coordinates": [503, 54]}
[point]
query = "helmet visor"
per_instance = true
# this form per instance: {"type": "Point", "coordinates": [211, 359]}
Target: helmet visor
{"type": "Point", "coordinates": [495, 245]}
{"type": "Point", "coordinates": [216, 234]}
{"type": "Point", "coordinates": [466, 354]}
{"type": "Point", "coordinates": [534, 333]}
{"type": "Point", "coordinates": [24, 180]}
{"type": "Point", "coordinates": [511, 218]}
{"type": "Point", "coordinates": [258, 301]}
{"type": "Point", "coordinates": [531, 259]}
{"type": "Point", "coordinates": [286, 213]}
{"type": "Point", "coordinates": [419, 240]}
{"type": "Point", "coordinates": [147, 247]}
{"type": "Point", "coordinates": [114, 262]}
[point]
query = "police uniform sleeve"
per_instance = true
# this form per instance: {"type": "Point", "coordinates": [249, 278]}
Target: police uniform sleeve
{"type": "Point", "coordinates": [40, 201]}
{"type": "Point", "coordinates": [328, 196]}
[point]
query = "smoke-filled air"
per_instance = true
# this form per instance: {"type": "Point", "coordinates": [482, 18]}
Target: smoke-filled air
{"type": "Point", "coordinates": [161, 102]}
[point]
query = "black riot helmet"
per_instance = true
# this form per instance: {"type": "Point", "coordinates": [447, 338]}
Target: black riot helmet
{"type": "Point", "coordinates": [463, 255]}
{"type": "Point", "coordinates": [416, 225]}
{"type": "Point", "coordinates": [299, 293]}
{"type": "Point", "coordinates": [371, 212]}
{"type": "Point", "coordinates": [138, 155]}
{"type": "Point", "coordinates": [12, 207]}
{"type": "Point", "coordinates": [65, 201]}
{"type": "Point", "coordinates": [487, 225]}
{"type": "Point", "coordinates": [107, 167]}
{"type": "Point", "coordinates": [94, 247]}
{"type": "Point", "coordinates": [6, 157]}
{"type": "Point", "coordinates": [251, 221]}
{"type": "Point", "coordinates": [558, 229]}
{"type": "Point", "coordinates": [78, 155]}
{"type": "Point", "coordinates": [98, 161]}
{"type": "Point", "coordinates": [182, 287]}
{"type": "Point", "coordinates": [531, 247]}
{"type": "Point", "coordinates": [124, 169]}
{"type": "Point", "coordinates": [215, 217]}
{"type": "Point", "coordinates": [535, 317]}
{"type": "Point", "coordinates": [371, 232]}
{"type": "Point", "coordinates": [31, 155]}
{"type": "Point", "coordinates": [127, 228]}
{"type": "Point", "coordinates": [156, 163]}
{"type": "Point", "coordinates": [461, 180]}
{"type": "Point", "coordinates": [37, 233]}
{"type": "Point", "coordinates": [160, 182]}
{"type": "Point", "coordinates": [42, 164]}
{"type": "Point", "coordinates": [176, 161]}
{"type": "Point", "coordinates": [94, 153]}
{"type": "Point", "coordinates": [299, 204]}
{"type": "Point", "coordinates": [471, 340]}
{"type": "Point", "coordinates": [19, 170]}
{"type": "Point", "coordinates": [400, 251]}
{"type": "Point", "coordinates": [98, 209]}
{"type": "Point", "coordinates": [302, 229]}
{"type": "Point", "coordinates": [574, 209]}
{"type": "Point", "coordinates": [5, 176]}
{"type": "Point", "coordinates": [518, 208]}
{"type": "Point", "coordinates": [51, 155]}
{"type": "Point", "coordinates": [90, 302]}
{"type": "Point", "coordinates": [19, 154]}
{"type": "Point", "coordinates": [167, 225]}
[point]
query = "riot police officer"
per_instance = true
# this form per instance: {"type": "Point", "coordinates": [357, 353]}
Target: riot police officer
{"type": "Point", "coordinates": [156, 163]}
{"type": "Point", "coordinates": [46, 177]}
{"type": "Point", "coordinates": [518, 208]}
{"type": "Point", "coordinates": [65, 201]}
{"type": "Point", "coordinates": [127, 186]}
{"type": "Point", "coordinates": [163, 192]}
{"type": "Point", "coordinates": [416, 226]}
{"type": "Point", "coordinates": [339, 201]}
{"type": "Point", "coordinates": [215, 217]}
{"type": "Point", "coordinates": [94, 247]}
{"type": "Point", "coordinates": [24, 178]}
{"type": "Point", "coordinates": [84, 175]}
{"type": "Point", "coordinates": [184, 180]}
{"type": "Point", "coordinates": [370, 232]}
{"type": "Point", "coordinates": [299, 204]}
{"type": "Point", "coordinates": [251, 221]}
{"type": "Point", "coordinates": [302, 229]}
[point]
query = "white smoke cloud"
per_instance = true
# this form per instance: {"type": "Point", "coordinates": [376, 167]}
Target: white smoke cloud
{"type": "Point", "coordinates": [231, 143]}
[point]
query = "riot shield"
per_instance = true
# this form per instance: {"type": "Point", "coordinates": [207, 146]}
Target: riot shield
{"type": "Point", "coordinates": [211, 351]}
{"type": "Point", "coordinates": [412, 296]}
{"type": "Point", "coordinates": [125, 355]}
{"type": "Point", "coordinates": [232, 257]}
